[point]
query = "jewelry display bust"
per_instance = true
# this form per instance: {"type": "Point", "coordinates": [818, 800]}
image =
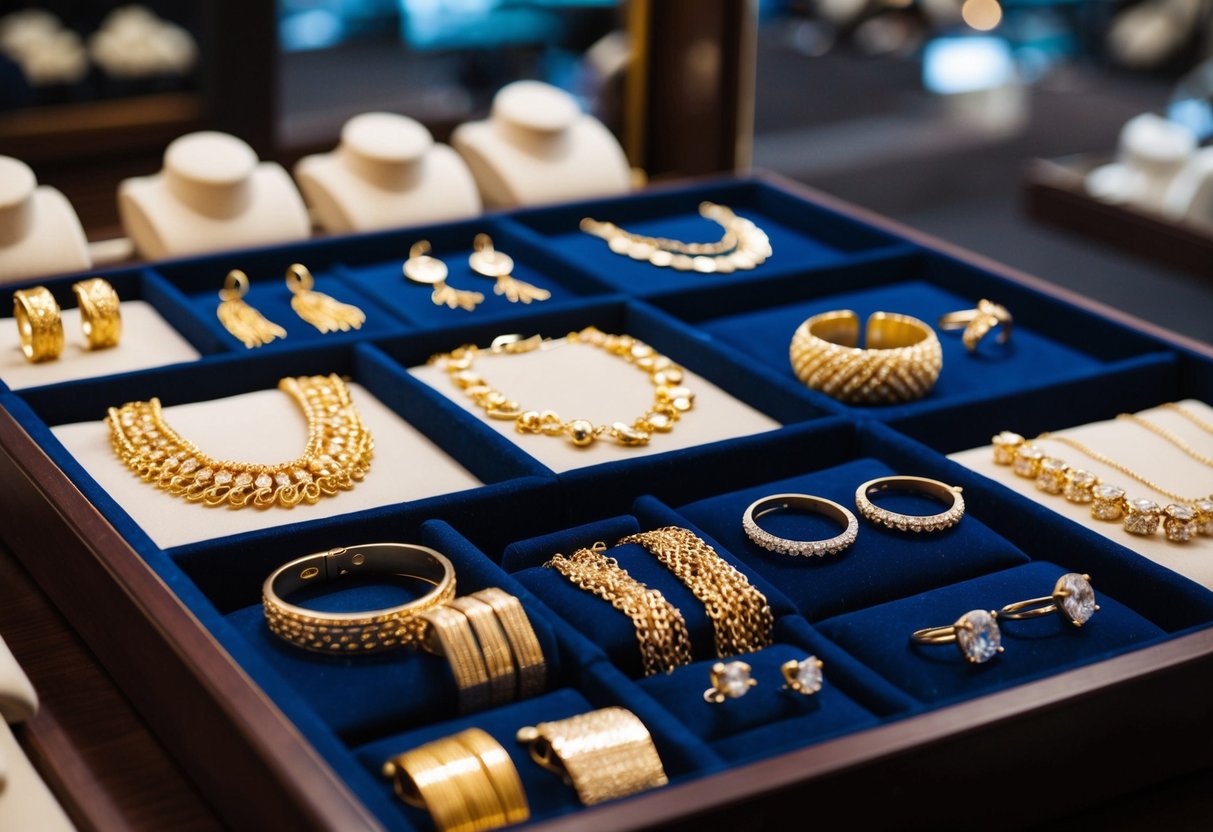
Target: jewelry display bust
{"type": "Point", "coordinates": [212, 194]}
{"type": "Point", "coordinates": [386, 172]}
{"type": "Point", "coordinates": [537, 146]}
{"type": "Point", "coordinates": [39, 231]}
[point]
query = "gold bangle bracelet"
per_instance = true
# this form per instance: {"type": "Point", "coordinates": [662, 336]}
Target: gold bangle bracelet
{"type": "Point", "coordinates": [529, 661]}
{"type": "Point", "coordinates": [364, 631]}
{"type": "Point", "coordinates": [901, 363]}
{"type": "Point", "coordinates": [450, 635]}
{"type": "Point", "coordinates": [494, 648]}
{"type": "Point", "coordinates": [604, 754]}
{"type": "Point", "coordinates": [100, 313]}
{"type": "Point", "coordinates": [38, 324]}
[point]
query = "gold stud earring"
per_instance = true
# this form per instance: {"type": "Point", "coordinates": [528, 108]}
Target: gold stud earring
{"type": "Point", "coordinates": [318, 309]}
{"type": "Point", "coordinates": [430, 271]}
{"type": "Point", "coordinates": [244, 322]}
{"type": "Point", "coordinates": [486, 261]}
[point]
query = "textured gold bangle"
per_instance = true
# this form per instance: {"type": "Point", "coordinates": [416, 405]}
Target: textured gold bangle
{"type": "Point", "coordinates": [38, 324]}
{"type": "Point", "coordinates": [365, 631]}
{"type": "Point", "coordinates": [661, 631]}
{"type": "Point", "coordinates": [466, 782]}
{"type": "Point", "coordinates": [450, 635]}
{"type": "Point", "coordinates": [901, 363]}
{"type": "Point", "coordinates": [670, 400]}
{"type": "Point", "coordinates": [740, 615]}
{"type": "Point", "coordinates": [100, 313]}
{"type": "Point", "coordinates": [524, 645]}
{"type": "Point", "coordinates": [494, 648]}
{"type": "Point", "coordinates": [604, 754]}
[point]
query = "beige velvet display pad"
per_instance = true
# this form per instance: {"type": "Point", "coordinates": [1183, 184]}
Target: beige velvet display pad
{"type": "Point", "coordinates": [147, 341]}
{"type": "Point", "coordinates": [40, 233]}
{"type": "Point", "coordinates": [265, 427]}
{"type": "Point", "coordinates": [583, 382]}
{"type": "Point", "coordinates": [1143, 452]}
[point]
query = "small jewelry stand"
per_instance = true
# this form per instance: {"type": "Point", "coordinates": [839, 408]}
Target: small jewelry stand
{"type": "Point", "coordinates": [386, 172]}
{"type": "Point", "coordinates": [537, 146]}
{"type": "Point", "coordinates": [39, 231]}
{"type": "Point", "coordinates": [212, 194]}
{"type": "Point", "coordinates": [1152, 152]}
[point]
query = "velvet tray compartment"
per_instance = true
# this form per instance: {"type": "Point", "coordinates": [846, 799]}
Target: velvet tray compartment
{"type": "Point", "coordinates": [308, 733]}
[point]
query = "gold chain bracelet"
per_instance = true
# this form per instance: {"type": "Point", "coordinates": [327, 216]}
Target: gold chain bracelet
{"type": "Point", "coordinates": [670, 400]}
{"type": "Point", "coordinates": [338, 452]}
{"type": "Point", "coordinates": [661, 630]}
{"type": "Point", "coordinates": [740, 615]}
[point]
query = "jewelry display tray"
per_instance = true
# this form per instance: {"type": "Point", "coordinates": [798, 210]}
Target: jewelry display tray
{"type": "Point", "coordinates": [274, 737]}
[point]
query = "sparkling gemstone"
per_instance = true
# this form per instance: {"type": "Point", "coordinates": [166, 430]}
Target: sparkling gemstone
{"type": "Point", "coordinates": [1077, 597]}
{"type": "Point", "coordinates": [1204, 508]}
{"type": "Point", "coordinates": [301, 476]}
{"type": "Point", "coordinates": [1080, 485]}
{"type": "Point", "coordinates": [223, 477]}
{"type": "Point", "coordinates": [282, 479]}
{"type": "Point", "coordinates": [978, 635]}
{"type": "Point", "coordinates": [189, 466]}
{"type": "Point", "coordinates": [660, 422]}
{"type": "Point", "coordinates": [734, 679]}
{"type": "Point", "coordinates": [1107, 502]}
{"type": "Point", "coordinates": [243, 479]}
{"type": "Point", "coordinates": [1051, 475]}
{"type": "Point", "coordinates": [1180, 523]}
{"type": "Point", "coordinates": [1027, 461]}
{"type": "Point", "coordinates": [204, 475]}
{"type": "Point", "coordinates": [808, 675]}
{"type": "Point", "coordinates": [264, 481]}
{"type": "Point", "coordinates": [1005, 445]}
{"type": "Point", "coordinates": [1142, 516]}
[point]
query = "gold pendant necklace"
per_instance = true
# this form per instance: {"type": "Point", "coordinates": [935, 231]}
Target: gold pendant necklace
{"type": "Point", "coordinates": [338, 452]}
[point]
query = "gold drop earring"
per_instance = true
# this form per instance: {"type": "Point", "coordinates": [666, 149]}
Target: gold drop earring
{"type": "Point", "coordinates": [430, 271]}
{"type": "Point", "coordinates": [318, 309]}
{"type": "Point", "coordinates": [488, 262]}
{"type": "Point", "coordinates": [244, 322]}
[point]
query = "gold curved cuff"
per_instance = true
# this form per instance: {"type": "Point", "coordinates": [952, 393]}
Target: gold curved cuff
{"type": "Point", "coordinates": [362, 631]}
{"type": "Point", "coordinates": [494, 648]}
{"type": "Point", "coordinates": [529, 661]}
{"type": "Point", "coordinates": [978, 322]}
{"type": "Point", "coordinates": [901, 362]}
{"type": "Point", "coordinates": [100, 313]}
{"type": "Point", "coordinates": [38, 324]}
{"type": "Point", "coordinates": [450, 635]}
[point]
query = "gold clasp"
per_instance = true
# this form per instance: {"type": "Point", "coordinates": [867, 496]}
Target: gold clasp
{"type": "Point", "coordinates": [540, 749]}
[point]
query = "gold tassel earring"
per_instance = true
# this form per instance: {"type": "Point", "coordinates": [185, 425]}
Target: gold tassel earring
{"type": "Point", "coordinates": [318, 309]}
{"type": "Point", "coordinates": [486, 261]}
{"type": "Point", "coordinates": [422, 268]}
{"type": "Point", "coordinates": [244, 322]}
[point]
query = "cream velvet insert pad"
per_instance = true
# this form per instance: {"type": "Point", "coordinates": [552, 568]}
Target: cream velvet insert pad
{"type": "Point", "coordinates": [265, 427]}
{"type": "Point", "coordinates": [580, 381]}
{"type": "Point", "coordinates": [1141, 451]}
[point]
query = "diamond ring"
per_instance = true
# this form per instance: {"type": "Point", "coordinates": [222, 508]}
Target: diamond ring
{"type": "Point", "coordinates": [802, 502]}
{"type": "Point", "coordinates": [975, 634]}
{"type": "Point", "coordinates": [950, 494]}
{"type": "Point", "coordinates": [1072, 598]}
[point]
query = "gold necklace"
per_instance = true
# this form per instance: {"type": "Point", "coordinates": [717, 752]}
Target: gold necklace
{"type": "Point", "coordinates": [1190, 416]}
{"type": "Point", "coordinates": [338, 452]}
{"type": "Point", "coordinates": [743, 244]}
{"type": "Point", "coordinates": [670, 400]}
{"type": "Point", "coordinates": [1122, 468]}
{"type": "Point", "coordinates": [1162, 432]}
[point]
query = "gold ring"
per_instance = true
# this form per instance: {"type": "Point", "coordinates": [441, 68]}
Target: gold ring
{"type": "Point", "coordinates": [363, 631]}
{"type": "Point", "coordinates": [604, 754]}
{"type": "Point", "coordinates": [978, 322]}
{"type": "Point", "coordinates": [900, 364]}
{"type": "Point", "coordinates": [975, 634]}
{"type": "Point", "coordinates": [948, 494]}
{"type": "Point", "coordinates": [465, 781]}
{"type": "Point", "coordinates": [38, 323]}
{"type": "Point", "coordinates": [803, 502]}
{"type": "Point", "coordinates": [450, 635]}
{"type": "Point", "coordinates": [100, 313]}
{"type": "Point", "coordinates": [729, 681]}
{"type": "Point", "coordinates": [1072, 598]}
{"type": "Point", "coordinates": [494, 648]}
{"type": "Point", "coordinates": [804, 676]}
{"type": "Point", "coordinates": [524, 644]}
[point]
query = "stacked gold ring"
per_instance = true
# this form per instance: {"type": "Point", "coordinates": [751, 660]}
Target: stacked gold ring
{"type": "Point", "coordinates": [465, 781]}
{"type": "Point", "coordinates": [901, 363]}
{"type": "Point", "coordinates": [100, 313]}
{"type": "Point", "coordinates": [38, 324]}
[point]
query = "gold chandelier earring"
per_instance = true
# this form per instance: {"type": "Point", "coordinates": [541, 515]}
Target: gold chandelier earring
{"type": "Point", "coordinates": [430, 271]}
{"type": "Point", "coordinates": [487, 261]}
{"type": "Point", "coordinates": [244, 322]}
{"type": "Point", "coordinates": [318, 309]}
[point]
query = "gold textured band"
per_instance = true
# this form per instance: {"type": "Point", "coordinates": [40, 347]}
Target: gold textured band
{"type": "Point", "coordinates": [100, 313]}
{"type": "Point", "coordinates": [363, 631]}
{"type": "Point", "coordinates": [524, 644]}
{"type": "Point", "coordinates": [604, 754]}
{"type": "Point", "coordinates": [38, 324]}
{"type": "Point", "coordinates": [450, 635]}
{"type": "Point", "coordinates": [901, 362]}
{"type": "Point", "coordinates": [466, 782]}
{"type": "Point", "coordinates": [494, 648]}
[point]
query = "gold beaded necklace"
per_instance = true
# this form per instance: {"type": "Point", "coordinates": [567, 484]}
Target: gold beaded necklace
{"type": "Point", "coordinates": [670, 399]}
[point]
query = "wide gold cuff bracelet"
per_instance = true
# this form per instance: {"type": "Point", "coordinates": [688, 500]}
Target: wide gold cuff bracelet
{"type": "Point", "coordinates": [362, 631]}
{"type": "Point", "coordinates": [100, 313]}
{"type": "Point", "coordinates": [901, 361]}
{"type": "Point", "coordinates": [38, 323]}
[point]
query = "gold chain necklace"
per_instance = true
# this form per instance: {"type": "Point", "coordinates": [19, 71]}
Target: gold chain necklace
{"type": "Point", "coordinates": [1162, 432]}
{"type": "Point", "coordinates": [1122, 468]}
{"type": "Point", "coordinates": [670, 400]}
{"type": "Point", "coordinates": [1190, 416]}
{"type": "Point", "coordinates": [338, 452]}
